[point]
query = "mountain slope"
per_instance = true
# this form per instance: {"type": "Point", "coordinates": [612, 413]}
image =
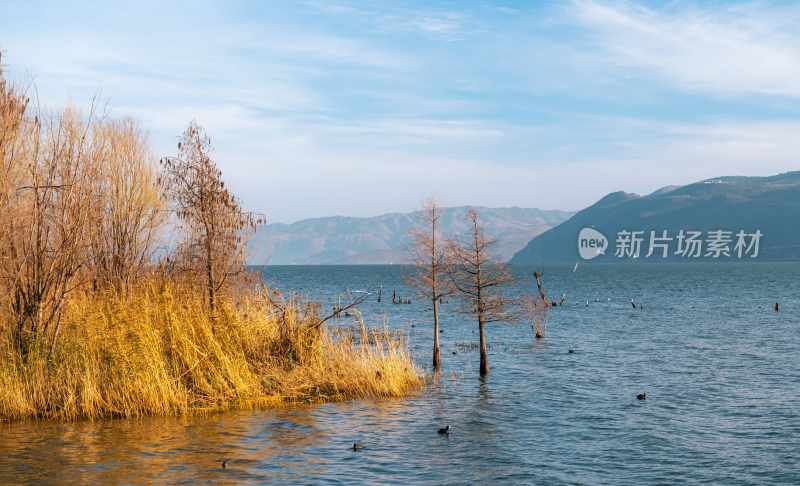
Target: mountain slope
{"type": "Point", "coordinates": [768, 204]}
{"type": "Point", "coordinates": [384, 239]}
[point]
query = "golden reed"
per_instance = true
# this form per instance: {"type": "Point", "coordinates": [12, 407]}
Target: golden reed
{"type": "Point", "coordinates": [157, 349]}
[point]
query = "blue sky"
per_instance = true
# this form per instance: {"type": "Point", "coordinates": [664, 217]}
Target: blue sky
{"type": "Point", "coordinates": [358, 108]}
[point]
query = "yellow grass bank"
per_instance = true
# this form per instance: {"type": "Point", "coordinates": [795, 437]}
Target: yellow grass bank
{"type": "Point", "coordinates": [158, 351]}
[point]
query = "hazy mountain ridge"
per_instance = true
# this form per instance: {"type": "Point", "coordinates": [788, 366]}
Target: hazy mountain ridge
{"type": "Point", "coordinates": [770, 204]}
{"type": "Point", "coordinates": [385, 238]}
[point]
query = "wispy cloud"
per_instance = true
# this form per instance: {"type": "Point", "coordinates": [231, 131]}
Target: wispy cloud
{"type": "Point", "coordinates": [360, 108]}
{"type": "Point", "coordinates": [419, 19]}
{"type": "Point", "coordinates": [724, 50]}
{"type": "Point", "coordinates": [440, 24]}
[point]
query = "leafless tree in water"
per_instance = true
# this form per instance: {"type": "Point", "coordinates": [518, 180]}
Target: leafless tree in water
{"type": "Point", "coordinates": [430, 258]}
{"type": "Point", "coordinates": [479, 280]}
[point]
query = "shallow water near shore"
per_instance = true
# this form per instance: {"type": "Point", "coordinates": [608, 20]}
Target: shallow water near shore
{"type": "Point", "coordinates": [719, 366]}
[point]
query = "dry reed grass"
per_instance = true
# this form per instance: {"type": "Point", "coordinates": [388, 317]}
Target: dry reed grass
{"type": "Point", "coordinates": [157, 350]}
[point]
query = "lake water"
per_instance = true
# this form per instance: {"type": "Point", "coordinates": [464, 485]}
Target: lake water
{"type": "Point", "coordinates": [719, 366]}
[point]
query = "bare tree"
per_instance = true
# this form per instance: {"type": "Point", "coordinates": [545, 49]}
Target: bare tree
{"type": "Point", "coordinates": [129, 209]}
{"type": "Point", "coordinates": [13, 105]}
{"type": "Point", "coordinates": [536, 311]}
{"type": "Point", "coordinates": [479, 279]}
{"type": "Point", "coordinates": [538, 306]}
{"type": "Point", "coordinates": [216, 224]}
{"type": "Point", "coordinates": [430, 257]}
{"type": "Point", "coordinates": [13, 131]}
{"type": "Point", "coordinates": [48, 216]}
{"type": "Point", "coordinates": [75, 206]}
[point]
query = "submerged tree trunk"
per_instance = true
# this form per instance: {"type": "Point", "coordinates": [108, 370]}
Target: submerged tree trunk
{"type": "Point", "coordinates": [484, 348]}
{"type": "Point", "coordinates": [437, 358]}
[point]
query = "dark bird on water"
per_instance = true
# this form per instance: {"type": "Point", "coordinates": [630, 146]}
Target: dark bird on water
{"type": "Point", "coordinates": [571, 351]}
{"type": "Point", "coordinates": [357, 446]}
{"type": "Point", "coordinates": [454, 353]}
{"type": "Point", "coordinates": [444, 430]}
{"type": "Point", "coordinates": [633, 304]}
{"type": "Point", "coordinates": [224, 464]}
{"type": "Point", "coordinates": [641, 396]}
{"type": "Point", "coordinates": [777, 307]}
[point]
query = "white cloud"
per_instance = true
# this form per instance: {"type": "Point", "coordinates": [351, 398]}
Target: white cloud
{"type": "Point", "coordinates": [439, 24]}
{"type": "Point", "coordinates": [363, 169]}
{"type": "Point", "coordinates": [735, 50]}
{"type": "Point", "coordinates": [445, 24]}
{"type": "Point", "coordinates": [373, 112]}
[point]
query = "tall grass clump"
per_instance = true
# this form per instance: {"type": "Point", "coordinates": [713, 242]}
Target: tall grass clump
{"type": "Point", "coordinates": [158, 350]}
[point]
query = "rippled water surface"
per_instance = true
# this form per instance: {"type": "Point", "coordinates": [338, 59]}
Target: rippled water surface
{"type": "Point", "coordinates": [719, 366]}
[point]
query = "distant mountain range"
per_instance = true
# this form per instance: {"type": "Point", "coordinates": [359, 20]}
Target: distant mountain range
{"type": "Point", "coordinates": [718, 209]}
{"type": "Point", "coordinates": [385, 238]}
